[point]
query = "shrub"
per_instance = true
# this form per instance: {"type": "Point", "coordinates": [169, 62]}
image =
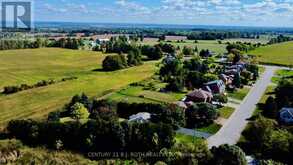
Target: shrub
{"type": "Point", "coordinates": [220, 98]}
{"type": "Point", "coordinates": [114, 62]}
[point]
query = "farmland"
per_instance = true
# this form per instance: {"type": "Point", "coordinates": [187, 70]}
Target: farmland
{"type": "Point", "coordinates": [277, 54]}
{"type": "Point", "coordinates": [212, 45]}
{"type": "Point", "coordinates": [42, 64]}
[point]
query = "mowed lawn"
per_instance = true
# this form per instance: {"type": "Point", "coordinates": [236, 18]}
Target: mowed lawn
{"type": "Point", "coordinates": [279, 54]}
{"type": "Point", "coordinates": [30, 66]}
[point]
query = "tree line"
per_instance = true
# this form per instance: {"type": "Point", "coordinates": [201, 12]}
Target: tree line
{"type": "Point", "coordinates": [17, 88]}
{"type": "Point", "coordinates": [280, 39]}
{"type": "Point", "coordinates": [7, 44]}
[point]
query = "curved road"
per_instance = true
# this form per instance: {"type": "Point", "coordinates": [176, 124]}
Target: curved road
{"type": "Point", "coordinates": [231, 130]}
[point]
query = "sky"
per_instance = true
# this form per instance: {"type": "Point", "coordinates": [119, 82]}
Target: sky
{"type": "Point", "coordinates": [191, 12]}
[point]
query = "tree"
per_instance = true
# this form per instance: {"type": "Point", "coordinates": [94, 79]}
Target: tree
{"type": "Point", "coordinates": [271, 108]}
{"type": "Point", "coordinates": [172, 72]}
{"type": "Point", "coordinates": [187, 51]}
{"type": "Point", "coordinates": [200, 114]}
{"type": "Point", "coordinates": [210, 77]}
{"type": "Point", "coordinates": [134, 57]}
{"type": "Point", "coordinates": [237, 80]}
{"type": "Point", "coordinates": [162, 38]}
{"type": "Point", "coordinates": [114, 62]}
{"type": "Point", "coordinates": [195, 64]}
{"type": "Point", "coordinates": [78, 111]}
{"type": "Point", "coordinates": [204, 53]}
{"type": "Point", "coordinates": [200, 154]}
{"type": "Point", "coordinates": [228, 154]}
{"type": "Point", "coordinates": [257, 133]}
{"type": "Point", "coordinates": [194, 79]}
{"type": "Point", "coordinates": [284, 92]}
{"type": "Point", "coordinates": [152, 52]}
{"type": "Point", "coordinates": [237, 57]}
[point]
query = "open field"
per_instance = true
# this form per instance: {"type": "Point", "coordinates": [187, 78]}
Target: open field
{"type": "Point", "coordinates": [212, 45]}
{"type": "Point", "coordinates": [262, 40]}
{"type": "Point", "coordinates": [38, 64]}
{"type": "Point", "coordinates": [277, 54]}
{"type": "Point", "coordinates": [280, 74]}
{"type": "Point", "coordinates": [138, 94]}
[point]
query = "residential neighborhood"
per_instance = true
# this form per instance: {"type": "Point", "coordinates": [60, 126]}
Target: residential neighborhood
{"type": "Point", "coordinates": [146, 82]}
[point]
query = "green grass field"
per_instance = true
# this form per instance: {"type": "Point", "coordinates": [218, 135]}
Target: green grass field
{"type": "Point", "coordinates": [280, 74]}
{"type": "Point", "coordinates": [240, 94]}
{"type": "Point", "coordinates": [181, 138]}
{"type": "Point", "coordinates": [262, 40]}
{"type": "Point", "coordinates": [30, 66]}
{"type": "Point", "coordinates": [211, 129]}
{"type": "Point", "coordinates": [277, 54]}
{"type": "Point", "coordinates": [226, 112]}
{"type": "Point", "coordinates": [212, 45]}
{"type": "Point", "coordinates": [138, 94]}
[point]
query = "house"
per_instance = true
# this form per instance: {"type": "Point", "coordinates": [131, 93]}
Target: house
{"type": "Point", "coordinates": [232, 71]}
{"type": "Point", "coordinates": [169, 58]}
{"type": "Point", "coordinates": [226, 79]}
{"type": "Point", "coordinates": [181, 104]}
{"type": "Point", "coordinates": [141, 117]}
{"type": "Point", "coordinates": [215, 87]}
{"type": "Point", "coordinates": [286, 115]}
{"type": "Point", "coordinates": [199, 95]}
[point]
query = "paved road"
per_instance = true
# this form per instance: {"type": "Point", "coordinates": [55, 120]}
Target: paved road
{"type": "Point", "coordinates": [231, 131]}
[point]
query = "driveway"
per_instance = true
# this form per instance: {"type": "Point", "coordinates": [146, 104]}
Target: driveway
{"type": "Point", "coordinates": [231, 130]}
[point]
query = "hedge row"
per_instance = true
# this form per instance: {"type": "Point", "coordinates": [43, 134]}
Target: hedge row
{"type": "Point", "coordinates": [14, 89]}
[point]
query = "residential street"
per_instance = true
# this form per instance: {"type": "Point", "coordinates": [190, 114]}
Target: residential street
{"type": "Point", "coordinates": [231, 130]}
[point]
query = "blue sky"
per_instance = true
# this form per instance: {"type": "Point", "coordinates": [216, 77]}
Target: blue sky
{"type": "Point", "coordinates": [193, 12]}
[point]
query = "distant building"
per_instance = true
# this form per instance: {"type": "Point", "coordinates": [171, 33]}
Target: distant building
{"type": "Point", "coordinates": [286, 115]}
{"type": "Point", "coordinates": [141, 117]}
{"type": "Point", "coordinates": [215, 87]}
{"type": "Point", "coordinates": [199, 95]}
{"type": "Point", "coordinates": [102, 41]}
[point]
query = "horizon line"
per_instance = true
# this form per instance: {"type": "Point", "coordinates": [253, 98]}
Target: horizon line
{"type": "Point", "coordinates": [170, 24]}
